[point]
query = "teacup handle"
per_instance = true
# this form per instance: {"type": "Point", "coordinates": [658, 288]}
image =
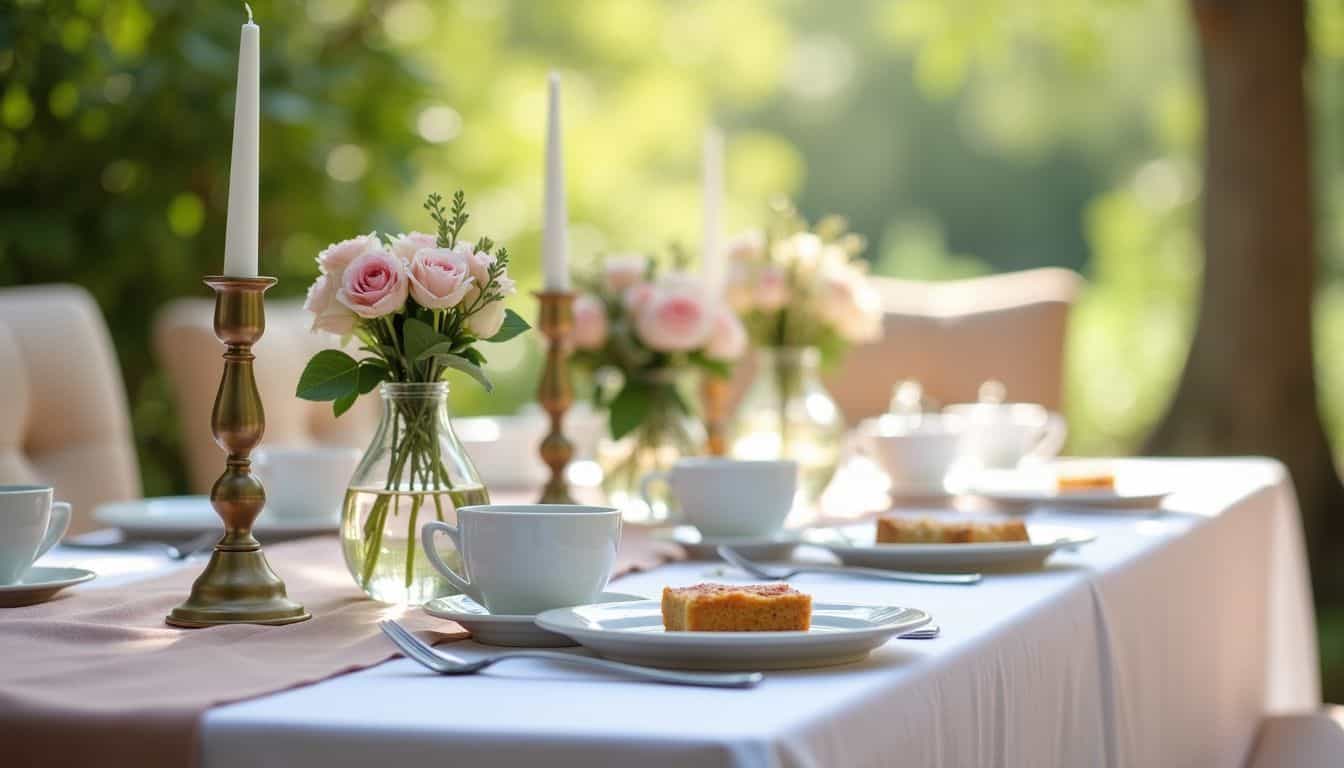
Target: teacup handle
{"type": "Point", "coordinates": [56, 526]}
{"type": "Point", "coordinates": [1051, 441]}
{"type": "Point", "coordinates": [453, 577]}
{"type": "Point", "coordinates": [645, 491]}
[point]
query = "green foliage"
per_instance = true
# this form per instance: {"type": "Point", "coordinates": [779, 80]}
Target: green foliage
{"type": "Point", "coordinates": [514, 324]}
{"type": "Point", "coordinates": [330, 375]}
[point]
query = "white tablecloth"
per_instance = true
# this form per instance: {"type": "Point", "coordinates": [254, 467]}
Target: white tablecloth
{"type": "Point", "coordinates": [1162, 643]}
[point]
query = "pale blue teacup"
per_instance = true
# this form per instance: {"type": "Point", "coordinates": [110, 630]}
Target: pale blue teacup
{"type": "Point", "coordinates": [30, 524]}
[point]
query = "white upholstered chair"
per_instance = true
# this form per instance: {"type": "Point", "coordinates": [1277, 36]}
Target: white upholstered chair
{"type": "Point", "coordinates": [186, 347]}
{"type": "Point", "coordinates": [1310, 740]}
{"type": "Point", "coordinates": [953, 336]}
{"type": "Point", "coordinates": [63, 413]}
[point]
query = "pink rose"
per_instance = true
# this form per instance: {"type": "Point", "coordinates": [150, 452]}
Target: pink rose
{"type": "Point", "coordinates": [337, 256]}
{"type": "Point", "coordinates": [328, 314]}
{"type": "Point", "coordinates": [590, 322]}
{"type": "Point", "coordinates": [676, 318]}
{"type": "Point", "coordinates": [746, 246]}
{"type": "Point", "coordinates": [406, 246]}
{"type": "Point", "coordinates": [374, 284]}
{"type": "Point", "coordinates": [487, 320]}
{"type": "Point", "coordinates": [480, 263]}
{"type": "Point", "coordinates": [851, 305]}
{"type": "Point", "coordinates": [728, 339]}
{"type": "Point", "coordinates": [741, 286]}
{"type": "Point", "coordinates": [772, 288]}
{"type": "Point", "coordinates": [620, 271]}
{"type": "Point", "coordinates": [636, 296]}
{"type": "Point", "coordinates": [440, 277]}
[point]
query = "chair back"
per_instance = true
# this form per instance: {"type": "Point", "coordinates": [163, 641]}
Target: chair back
{"type": "Point", "coordinates": [63, 414]}
{"type": "Point", "coordinates": [190, 355]}
{"type": "Point", "coordinates": [953, 336]}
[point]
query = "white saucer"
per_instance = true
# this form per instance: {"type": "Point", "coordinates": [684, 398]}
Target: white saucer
{"type": "Point", "coordinates": [182, 517]}
{"type": "Point", "coordinates": [633, 632]}
{"type": "Point", "coordinates": [773, 547]}
{"type": "Point", "coordinates": [855, 545]}
{"type": "Point", "coordinates": [517, 630]}
{"type": "Point", "coordinates": [1037, 487]}
{"type": "Point", "coordinates": [40, 584]}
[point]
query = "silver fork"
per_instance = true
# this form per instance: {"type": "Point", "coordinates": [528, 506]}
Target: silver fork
{"type": "Point", "coordinates": [179, 551]}
{"type": "Point", "coordinates": [445, 664]}
{"type": "Point", "coordinates": [779, 574]}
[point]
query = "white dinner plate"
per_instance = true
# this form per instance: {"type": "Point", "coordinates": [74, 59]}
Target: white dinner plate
{"type": "Point", "coordinates": [1037, 487]}
{"type": "Point", "coordinates": [512, 630]}
{"type": "Point", "coordinates": [181, 517]}
{"type": "Point", "coordinates": [855, 545]}
{"type": "Point", "coordinates": [770, 547]}
{"type": "Point", "coordinates": [633, 632]}
{"type": "Point", "coordinates": [40, 584]}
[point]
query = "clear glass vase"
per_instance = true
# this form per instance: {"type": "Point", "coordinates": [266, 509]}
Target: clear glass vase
{"type": "Point", "coordinates": [414, 470]}
{"type": "Point", "coordinates": [788, 414]}
{"type": "Point", "coordinates": [667, 433]}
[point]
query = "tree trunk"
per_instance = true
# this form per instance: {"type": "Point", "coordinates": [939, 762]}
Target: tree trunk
{"type": "Point", "coordinates": [1248, 386]}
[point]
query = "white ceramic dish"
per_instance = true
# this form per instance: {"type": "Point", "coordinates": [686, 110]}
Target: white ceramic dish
{"type": "Point", "coordinates": [771, 547]}
{"type": "Point", "coordinates": [633, 632]}
{"type": "Point", "coordinates": [855, 545]}
{"type": "Point", "coordinates": [516, 631]}
{"type": "Point", "coordinates": [181, 517]}
{"type": "Point", "coordinates": [40, 584]}
{"type": "Point", "coordinates": [1036, 487]}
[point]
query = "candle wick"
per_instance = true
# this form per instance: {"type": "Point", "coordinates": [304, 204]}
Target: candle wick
{"type": "Point", "coordinates": [249, 12]}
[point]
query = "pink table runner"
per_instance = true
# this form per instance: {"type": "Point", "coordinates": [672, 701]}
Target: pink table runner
{"type": "Point", "coordinates": [94, 677]}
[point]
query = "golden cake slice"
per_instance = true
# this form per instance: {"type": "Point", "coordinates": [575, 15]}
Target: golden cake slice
{"type": "Point", "coordinates": [927, 530]}
{"type": "Point", "coordinates": [1091, 481]}
{"type": "Point", "coordinates": [724, 608]}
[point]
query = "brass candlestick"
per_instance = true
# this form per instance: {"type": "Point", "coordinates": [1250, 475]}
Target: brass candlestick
{"type": "Point", "coordinates": [238, 585]}
{"type": "Point", "coordinates": [714, 395]}
{"type": "Point", "coordinates": [556, 391]}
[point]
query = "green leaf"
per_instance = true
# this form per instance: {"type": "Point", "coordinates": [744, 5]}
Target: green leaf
{"type": "Point", "coordinates": [418, 336]}
{"type": "Point", "coordinates": [628, 410]}
{"type": "Point", "coordinates": [370, 374]}
{"type": "Point", "coordinates": [466, 366]}
{"type": "Point", "coordinates": [718, 368]}
{"type": "Point", "coordinates": [436, 350]}
{"type": "Point", "coordinates": [473, 354]}
{"type": "Point", "coordinates": [342, 404]}
{"type": "Point", "coordinates": [513, 325]}
{"type": "Point", "coordinates": [330, 375]}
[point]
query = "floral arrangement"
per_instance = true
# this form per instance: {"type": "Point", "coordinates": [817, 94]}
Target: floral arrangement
{"type": "Point", "coordinates": [418, 304]}
{"type": "Point", "coordinates": [649, 327]}
{"type": "Point", "coordinates": [803, 287]}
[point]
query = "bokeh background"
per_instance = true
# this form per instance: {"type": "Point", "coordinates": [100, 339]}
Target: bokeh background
{"type": "Point", "coordinates": [959, 138]}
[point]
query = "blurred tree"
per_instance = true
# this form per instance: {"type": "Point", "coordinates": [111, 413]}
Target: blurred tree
{"type": "Point", "coordinates": [1249, 385]}
{"type": "Point", "coordinates": [115, 128]}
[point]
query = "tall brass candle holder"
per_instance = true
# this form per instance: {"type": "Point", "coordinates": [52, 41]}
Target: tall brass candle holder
{"type": "Point", "coordinates": [715, 393]}
{"type": "Point", "coordinates": [238, 585]}
{"type": "Point", "coordinates": [556, 391]}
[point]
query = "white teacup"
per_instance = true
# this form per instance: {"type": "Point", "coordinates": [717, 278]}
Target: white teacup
{"type": "Point", "coordinates": [915, 450]}
{"type": "Point", "coordinates": [526, 558]}
{"type": "Point", "coordinates": [1000, 435]}
{"type": "Point", "coordinates": [729, 497]}
{"type": "Point", "coordinates": [30, 524]}
{"type": "Point", "coordinates": [305, 483]}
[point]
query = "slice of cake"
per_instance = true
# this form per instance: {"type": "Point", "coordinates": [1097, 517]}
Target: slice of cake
{"type": "Point", "coordinates": [1091, 481]}
{"type": "Point", "coordinates": [724, 608]}
{"type": "Point", "coordinates": [927, 530]}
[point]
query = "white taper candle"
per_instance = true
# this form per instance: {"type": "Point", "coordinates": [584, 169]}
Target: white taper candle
{"type": "Point", "coordinates": [712, 261]}
{"type": "Point", "coordinates": [554, 235]}
{"type": "Point", "coordinates": [240, 238]}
